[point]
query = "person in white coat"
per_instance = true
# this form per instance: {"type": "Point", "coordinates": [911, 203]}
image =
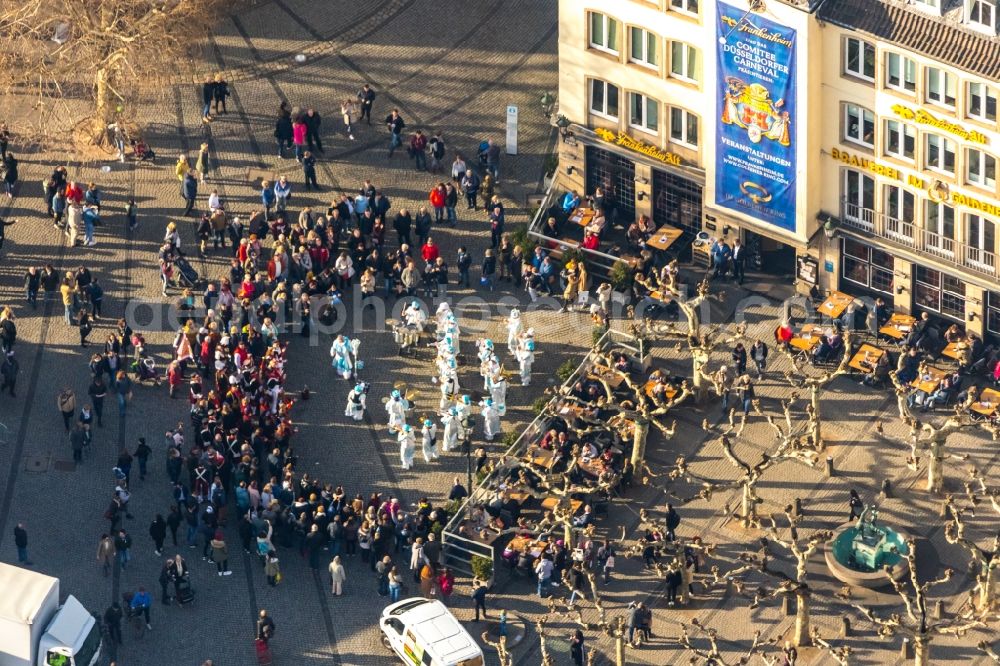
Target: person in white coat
{"type": "Point", "coordinates": [414, 316]}
{"type": "Point", "coordinates": [340, 352]}
{"type": "Point", "coordinates": [356, 400]}
{"type": "Point", "coordinates": [407, 446]}
{"type": "Point", "coordinates": [491, 419]}
{"type": "Point", "coordinates": [514, 328]}
{"type": "Point", "coordinates": [449, 389]}
{"type": "Point", "coordinates": [498, 392]}
{"type": "Point", "coordinates": [428, 440]}
{"type": "Point", "coordinates": [396, 407]}
{"type": "Point", "coordinates": [525, 358]}
{"type": "Point", "coordinates": [464, 408]}
{"type": "Point", "coordinates": [441, 319]}
{"type": "Point", "coordinates": [489, 370]}
{"type": "Point", "coordinates": [453, 430]}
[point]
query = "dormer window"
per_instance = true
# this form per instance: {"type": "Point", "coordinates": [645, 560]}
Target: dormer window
{"type": "Point", "coordinates": [933, 6]}
{"type": "Point", "coordinates": [982, 14]}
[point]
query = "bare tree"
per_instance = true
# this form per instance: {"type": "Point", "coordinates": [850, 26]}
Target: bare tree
{"type": "Point", "coordinates": [915, 624]}
{"type": "Point", "coordinates": [841, 654]}
{"type": "Point", "coordinates": [984, 563]}
{"type": "Point", "coordinates": [713, 655]}
{"type": "Point", "coordinates": [815, 386]}
{"type": "Point", "coordinates": [111, 50]}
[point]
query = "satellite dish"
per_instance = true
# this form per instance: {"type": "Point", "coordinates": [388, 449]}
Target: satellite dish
{"type": "Point", "coordinates": [300, 57]}
{"type": "Point", "coordinates": [106, 168]}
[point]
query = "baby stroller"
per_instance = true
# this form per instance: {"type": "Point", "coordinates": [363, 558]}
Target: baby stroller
{"type": "Point", "coordinates": [184, 592]}
{"type": "Point", "coordinates": [144, 370]}
{"type": "Point", "coordinates": [483, 147]}
{"type": "Point", "coordinates": [186, 274]}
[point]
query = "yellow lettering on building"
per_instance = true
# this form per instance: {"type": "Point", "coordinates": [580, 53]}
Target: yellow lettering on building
{"type": "Point", "coordinates": [865, 163]}
{"type": "Point", "coordinates": [975, 204]}
{"type": "Point", "coordinates": [925, 118]}
{"type": "Point", "coordinates": [915, 181]}
{"type": "Point", "coordinates": [624, 140]}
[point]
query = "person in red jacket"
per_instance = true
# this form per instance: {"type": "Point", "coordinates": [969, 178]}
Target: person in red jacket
{"type": "Point", "coordinates": [590, 241]}
{"type": "Point", "coordinates": [438, 197]}
{"type": "Point", "coordinates": [418, 150]}
{"type": "Point", "coordinates": [174, 377]}
{"type": "Point", "coordinates": [429, 251]}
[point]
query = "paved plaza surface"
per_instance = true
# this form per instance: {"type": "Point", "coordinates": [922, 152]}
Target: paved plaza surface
{"type": "Point", "coordinates": [456, 73]}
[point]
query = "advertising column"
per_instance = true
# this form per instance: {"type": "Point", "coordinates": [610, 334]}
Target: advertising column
{"type": "Point", "coordinates": [755, 137]}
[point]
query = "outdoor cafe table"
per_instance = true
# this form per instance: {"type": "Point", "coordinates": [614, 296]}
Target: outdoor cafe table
{"type": "Point", "coordinates": [808, 338]}
{"type": "Point", "coordinates": [614, 379]}
{"type": "Point", "coordinates": [535, 547]}
{"type": "Point", "coordinates": [664, 237]}
{"type": "Point", "coordinates": [518, 496]}
{"type": "Point", "coordinates": [953, 350]}
{"type": "Point", "coordinates": [543, 458]}
{"type": "Point", "coordinates": [898, 326]}
{"type": "Point", "coordinates": [591, 466]}
{"type": "Point", "coordinates": [835, 304]}
{"type": "Point", "coordinates": [988, 402]}
{"type": "Point", "coordinates": [582, 216]}
{"type": "Point", "coordinates": [928, 386]}
{"type": "Point", "coordinates": [866, 358]}
{"type": "Point", "coordinates": [550, 504]}
{"type": "Point", "coordinates": [651, 384]}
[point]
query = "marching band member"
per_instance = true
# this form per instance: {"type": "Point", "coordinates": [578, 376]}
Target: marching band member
{"type": "Point", "coordinates": [407, 446]}
{"type": "Point", "coordinates": [429, 440]}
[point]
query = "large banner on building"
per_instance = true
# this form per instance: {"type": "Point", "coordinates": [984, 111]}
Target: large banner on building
{"type": "Point", "coordinates": [755, 141]}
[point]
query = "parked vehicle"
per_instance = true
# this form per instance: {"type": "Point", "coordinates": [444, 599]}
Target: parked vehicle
{"type": "Point", "coordinates": [424, 632]}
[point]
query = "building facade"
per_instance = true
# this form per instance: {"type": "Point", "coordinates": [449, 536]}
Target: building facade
{"type": "Point", "coordinates": [656, 88]}
{"type": "Point", "coordinates": [909, 155]}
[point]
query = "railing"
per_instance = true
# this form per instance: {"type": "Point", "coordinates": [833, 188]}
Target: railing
{"type": "Point", "coordinates": [459, 549]}
{"type": "Point", "coordinates": [906, 234]}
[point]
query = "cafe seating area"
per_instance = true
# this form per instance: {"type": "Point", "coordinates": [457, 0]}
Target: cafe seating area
{"type": "Point", "coordinates": [568, 465]}
{"type": "Point", "coordinates": [940, 369]}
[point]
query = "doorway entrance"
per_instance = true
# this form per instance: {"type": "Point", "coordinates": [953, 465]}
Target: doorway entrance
{"type": "Point", "coordinates": [768, 256]}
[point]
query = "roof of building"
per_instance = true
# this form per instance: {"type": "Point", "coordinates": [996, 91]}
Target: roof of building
{"type": "Point", "coordinates": [938, 37]}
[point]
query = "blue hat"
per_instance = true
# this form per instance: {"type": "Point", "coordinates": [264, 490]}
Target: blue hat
{"type": "Point", "coordinates": [428, 422]}
{"type": "Point", "coordinates": [396, 394]}
{"type": "Point", "coordinates": [407, 427]}
{"type": "Point", "coordinates": [466, 399]}
{"type": "Point", "coordinates": [359, 388]}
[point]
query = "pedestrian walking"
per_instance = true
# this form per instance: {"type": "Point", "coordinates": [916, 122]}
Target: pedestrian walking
{"type": "Point", "coordinates": [10, 174]}
{"type": "Point", "coordinates": [158, 532]}
{"type": "Point", "coordinates": [203, 163]}
{"type": "Point", "coordinates": [436, 148]}
{"type": "Point", "coordinates": [220, 554]}
{"type": "Point", "coordinates": [219, 94]}
{"type": "Point", "coordinates": [577, 649]}
{"type": "Point", "coordinates": [299, 131]}
{"type": "Point", "coordinates": [758, 352]}
{"type": "Point", "coordinates": [673, 519]}
{"type": "Point", "coordinates": [337, 576]}
{"type": "Point", "coordinates": [132, 214]}
{"type": "Point", "coordinates": [207, 97]}
{"type": "Point", "coordinates": [418, 150]}
{"type": "Point", "coordinates": [313, 120]}
{"type": "Point", "coordinates": [265, 627]}
{"type": "Point", "coordinates": [123, 390]}
{"type": "Point", "coordinates": [479, 597]}
{"type": "Point", "coordinates": [21, 543]}
{"type": "Point", "coordinates": [66, 402]}
{"type": "Point", "coordinates": [366, 98]}
{"type": "Point", "coordinates": [142, 453]}
{"type": "Point", "coordinates": [84, 326]}
{"type": "Point", "coordinates": [113, 621]}
{"type": "Point", "coordinates": [395, 584]}
{"type": "Point", "coordinates": [283, 133]}
{"type": "Point", "coordinates": [470, 187]}
{"type": "Point", "coordinates": [348, 110]}
{"type": "Point", "coordinates": [309, 170]}
{"type": "Point", "coordinates": [106, 553]}
{"type": "Point", "coordinates": [855, 505]}
{"type": "Point", "coordinates": [123, 548]}
{"type": "Point", "coordinates": [9, 369]}
{"type": "Point", "coordinates": [395, 124]}
{"type": "Point", "coordinates": [4, 140]}
{"type": "Point", "coordinates": [189, 191]}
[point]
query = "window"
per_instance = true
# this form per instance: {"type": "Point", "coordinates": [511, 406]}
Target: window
{"type": "Point", "coordinates": [993, 312]}
{"type": "Point", "coordinates": [982, 101]}
{"type": "Point", "coordinates": [643, 112]}
{"type": "Point", "coordinates": [981, 242]}
{"type": "Point", "coordinates": [689, 6]}
{"type": "Point", "coordinates": [683, 126]}
{"type": "Point", "coordinates": [982, 13]}
{"type": "Point", "coordinates": [645, 47]}
{"type": "Point", "coordinates": [938, 292]}
{"type": "Point", "coordinates": [859, 125]}
{"type": "Point", "coordinates": [859, 198]}
{"type": "Point", "coordinates": [899, 203]}
{"type": "Point", "coordinates": [683, 61]}
{"type": "Point", "coordinates": [900, 139]}
{"type": "Point", "coordinates": [939, 228]}
{"type": "Point", "coordinates": [604, 98]}
{"type": "Point", "coordinates": [934, 5]}
{"type": "Point", "coordinates": [867, 266]}
{"type": "Point", "coordinates": [603, 33]}
{"type": "Point", "coordinates": [900, 72]}
{"type": "Point", "coordinates": [859, 58]}
{"type": "Point", "coordinates": [980, 168]}
{"type": "Point", "coordinates": [940, 153]}
{"type": "Point", "coordinates": [940, 87]}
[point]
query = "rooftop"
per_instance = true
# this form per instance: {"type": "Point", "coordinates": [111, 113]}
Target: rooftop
{"type": "Point", "coordinates": [942, 38]}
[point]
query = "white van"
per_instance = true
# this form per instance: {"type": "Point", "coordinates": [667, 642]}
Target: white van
{"type": "Point", "coordinates": [423, 632]}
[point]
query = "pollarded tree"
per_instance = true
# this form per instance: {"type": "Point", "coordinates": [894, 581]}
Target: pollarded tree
{"type": "Point", "coordinates": [114, 50]}
{"type": "Point", "coordinates": [916, 623]}
{"type": "Point", "coordinates": [984, 563]}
